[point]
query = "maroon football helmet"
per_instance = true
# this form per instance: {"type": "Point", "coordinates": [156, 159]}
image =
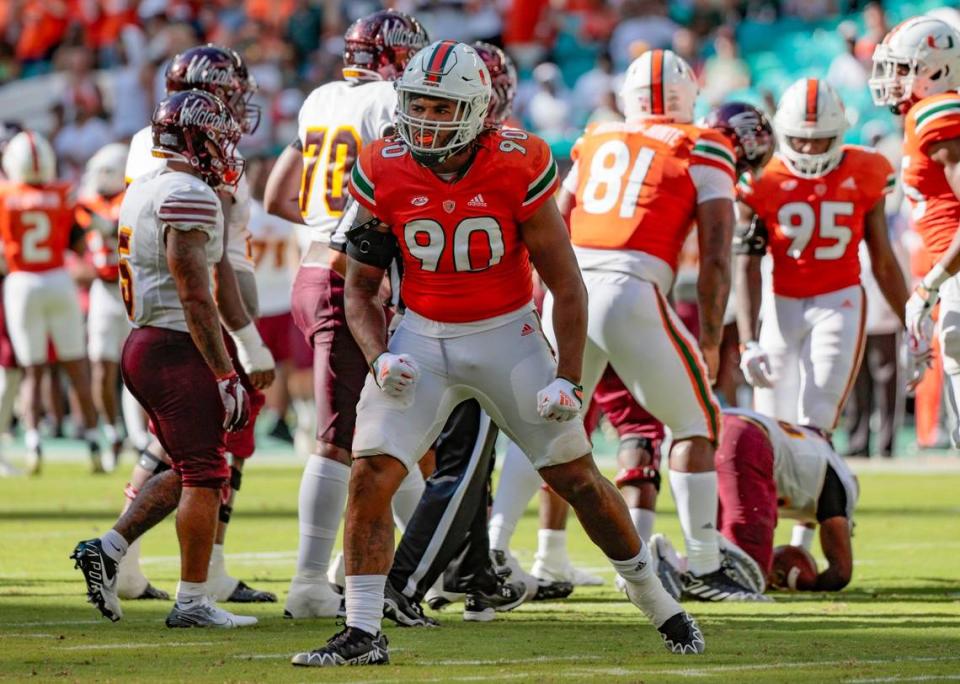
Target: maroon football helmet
{"type": "Point", "coordinates": [379, 45]}
{"type": "Point", "coordinates": [748, 130]}
{"type": "Point", "coordinates": [221, 72]}
{"type": "Point", "coordinates": [195, 127]}
{"type": "Point", "coordinates": [503, 77]}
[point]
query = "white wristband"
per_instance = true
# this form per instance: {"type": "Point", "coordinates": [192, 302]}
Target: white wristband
{"type": "Point", "coordinates": [935, 277]}
{"type": "Point", "coordinates": [247, 337]}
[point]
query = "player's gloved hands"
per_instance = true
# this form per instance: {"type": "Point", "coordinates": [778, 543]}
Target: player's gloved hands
{"type": "Point", "coordinates": [919, 358]}
{"type": "Point", "coordinates": [396, 374]}
{"type": "Point", "coordinates": [236, 402]}
{"type": "Point", "coordinates": [561, 401]}
{"type": "Point", "coordinates": [918, 310]}
{"type": "Point", "coordinates": [755, 365]}
{"type": "Point", "coordinates": [254, 356]}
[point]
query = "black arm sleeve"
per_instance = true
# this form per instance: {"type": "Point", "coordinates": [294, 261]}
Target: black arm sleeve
{"type": "Point", "coordinates": [369, 246]}
{"type": "Point", "coordinates": [833, 497]}
{"type": "Point", "coordinates": [752, 240]}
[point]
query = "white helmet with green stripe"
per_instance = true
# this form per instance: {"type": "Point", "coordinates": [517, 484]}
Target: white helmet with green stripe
{"type": "Point", "coordinates": [659, 83]}
{"type": "Point", "coordinates": [445, 70]}
{"type": "Point", "coordinates": [810, 110]}
{"type": "Point", "coordinates": [918, 58]}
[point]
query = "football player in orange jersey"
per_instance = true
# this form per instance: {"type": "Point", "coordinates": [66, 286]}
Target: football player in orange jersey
{"type": "Point", "coordinates": [98, 213]}
{"type": "Point", "coordinates": [469, 211]}
{"type": "Point", "coordinates": [916, 72]}
{"type": "Point", "coordinates": [40, 300]}
{"type": "Point", "coordinates": [810, 208]}
{"type": "Point", "coordinates": [632, 196]}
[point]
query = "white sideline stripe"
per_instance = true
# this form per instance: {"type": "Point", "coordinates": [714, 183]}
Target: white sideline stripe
{"type": "Point", "coordinates": [151, 644]}
{"type": "Point", "coordinates": [47, 623]}
{"type": "Point", "coordinates": [919, 678]}
{"type": "Point", "coordinates": [251, 556]}
{"type": "Point", "coordinates": [702, 671]}
{"type": "Point", "coordinates": [516, 661]}
{"type": "Point", "coordinates": [36, 635]}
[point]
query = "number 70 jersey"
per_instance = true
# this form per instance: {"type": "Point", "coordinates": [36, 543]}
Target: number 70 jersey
{"type": "Point", "coordinates": [335, 122]}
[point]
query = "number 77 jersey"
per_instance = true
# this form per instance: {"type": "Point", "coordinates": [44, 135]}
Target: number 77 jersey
{"type": "Point", "coordinates": [463, 257]}
{"type": "Point", "coordinates": [815, 225]}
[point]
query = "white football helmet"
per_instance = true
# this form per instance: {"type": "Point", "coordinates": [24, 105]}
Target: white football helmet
{"type": "Point", "coordinates": [29, 158]}
{"type": "Point", "coordinates": [104, 174]}
{"type": "Point", "coordinates": [659, 83]}
{"type": "Point", "coordinates": [927, 51]}
{"type": "Point", "coordinates": [446, 70]}
{"type": "Point", "coordinates": [810, 109]}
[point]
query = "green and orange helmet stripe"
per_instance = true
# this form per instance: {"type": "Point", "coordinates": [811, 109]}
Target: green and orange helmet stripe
{"type": "Point", "coordinates": [657, 106]}
{"type": "Point", "coordinates": [435, 63]}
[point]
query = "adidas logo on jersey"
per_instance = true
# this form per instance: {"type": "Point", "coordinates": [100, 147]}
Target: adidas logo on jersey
{"type": "Point", "coordinates": [527, 329]}
{"type": "Point", "coordinates": [419, 200]}
{"type": "Point", "coordinates": [477, 201]}
{"type": "Point", "coordinates": [849, 184]}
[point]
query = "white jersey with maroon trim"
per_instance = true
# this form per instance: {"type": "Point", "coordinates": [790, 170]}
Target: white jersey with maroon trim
{"type": "Point", "coordinates": [270, 246]}
{"type": "Point", "coordinates": [158, 201]}
{"type": "Point", "coordinates": [337, 120]}
{"type": "Point", "coordinates": [141, 160]}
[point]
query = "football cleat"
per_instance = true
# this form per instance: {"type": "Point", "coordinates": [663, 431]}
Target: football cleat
{"type": "Point", "coordinates": [717, 586]}
{"type": "Point", "coordinates": [666, 565]}
{"type": "Point", "coordinates": [403, 611]}
{"type": "Point", "coordinates": [479, 606]}
{"type": "Point", "coordinates": [34, 461]}
{"type": "Point", "coordinates": [741, 567]}
{"type": "Point", "coordinates": [244, 593]}
{"type": "Point", "coordinates": [351, 646]}
{"type": "Point", "coordinates": [508, 567]}
{"type": "Point", "coordinates": [564, 573]}
{"type": "Point", "coordinates": [151, 593]}
{"type": "Point", "coordinates": [96, 459]}
{"type": "Point", "coordinates": [438, 599]}
{"type": "Point", "coordinates": [682, 636]}
{"type": "Point", "coordinates": [312, 599]}
{"type": "Point", "coordinates": [202, 613]}
{"type": "Point", "coordinates": [100, 574]}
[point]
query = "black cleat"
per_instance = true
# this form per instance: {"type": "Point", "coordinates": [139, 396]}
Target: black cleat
{"type": "Point", "coordinates": [682, 636]}
{"type": "Point", "coordinates": [244, 593]}
{"type": "Point", "coordinates": [482, 607]}
{"type": "Point", "coordinates": [151, 593]}
{"type": "Point", "coordinates": [403, 611]}
{"type": "Point", "coordinates": [351, 646]}
{"type": "Point", "coordinates": [718, 586]}
{"type": "Point", "coordinates": [100, 574]}
{"type": "Point", "coordinates": [281, 431]}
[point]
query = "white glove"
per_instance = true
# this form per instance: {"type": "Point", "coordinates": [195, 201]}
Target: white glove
{"type": "Point", "coordinates": [917, 312]}
{"type": "Point", "coordinates": [755, 365]}
{"type": "Point", "coordinates": [396, 374]}
{"type": "Point", "coordinates": [236, 402]}
{"type": "Point", "coordinates": [919, 358]}
{"type": "Point", "coordinates": [561, 401]}
{"type": "Point", "coordinates": [251, 351]}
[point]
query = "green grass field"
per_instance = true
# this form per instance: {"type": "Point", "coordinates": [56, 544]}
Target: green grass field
{"type": "Point", "coordinates": [898, 621]}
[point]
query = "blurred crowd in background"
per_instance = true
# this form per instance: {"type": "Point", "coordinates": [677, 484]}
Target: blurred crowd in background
{"type": "Point", "coordinates": [97, 71]}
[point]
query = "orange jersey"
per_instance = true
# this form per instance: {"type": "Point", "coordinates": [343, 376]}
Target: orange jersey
{"type": "Point", "coordinates": [936, 209]}
{"type": "Point", "coordinates": [99, 217]}
{"type": "Point", "coordinates": [633, 185]}
{"type": "Point", "coordinates": [463, 258]}
{"type": "Point", "coordinates": [35, 225]}
{"type": "Point", "coordinates": [815, 225]}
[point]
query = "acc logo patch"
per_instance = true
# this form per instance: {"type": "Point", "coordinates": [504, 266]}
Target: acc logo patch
{"type": "Point", "coordinates": [449, 206]}
{"type": "Point", "coordinates": [419, 200]}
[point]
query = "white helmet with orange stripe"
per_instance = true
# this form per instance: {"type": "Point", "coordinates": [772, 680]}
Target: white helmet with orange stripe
{"type": "Point", "coordinates": [810, 124]}
{"type": "Point", "coordinates": [918, 58]}
{"type": "Point", "coordinates": [29, 158]}
{"type": "Point", "coordinates": [659, 83]}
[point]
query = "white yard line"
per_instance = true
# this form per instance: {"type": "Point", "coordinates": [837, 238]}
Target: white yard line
{"type": "Point", "coordinates": [919, 678]}
{"type": "Point", "coordinates": [149, 644]}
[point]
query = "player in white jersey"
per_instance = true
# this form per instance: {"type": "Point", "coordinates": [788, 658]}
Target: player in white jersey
{"type": "Point", "coordinates": [309, 186]}
{"type": "Point", "coordinates": [221, 72]}
{"type": "Point", "coordinates": [171, 235]}
{"type": "Point", "coordinates": [768, 468]}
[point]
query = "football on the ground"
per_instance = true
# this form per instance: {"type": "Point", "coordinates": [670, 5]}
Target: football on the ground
{"type": "Point", "coordinates": [793, 568]}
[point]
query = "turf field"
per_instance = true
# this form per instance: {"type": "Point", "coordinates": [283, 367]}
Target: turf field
{"type": "Point", "coordinates": [898, 621]}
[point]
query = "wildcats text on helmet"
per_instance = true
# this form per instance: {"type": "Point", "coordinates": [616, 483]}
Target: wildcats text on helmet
{"type": "Point", "coordinates": [196, 114]}
{"type": "Point", "coordinates": [400, 36]}
{"type": "Point", "coordinates": [201, 71]}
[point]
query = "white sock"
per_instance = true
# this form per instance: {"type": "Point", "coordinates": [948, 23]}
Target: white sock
{"type": "Point", "coordinates": [218, 565]}
{"type": "Point", "coordinates": [134, 421]}
{"type": "Point", "coordinates": [114, 545]}
{"type": "Point", "coordinates": [518, 484]}
{"type": "Point", "coordinates": [552, 548]}
{"type": "Point", "coordinates": [189, 592]}
{"type": "Point", "coordinates": [91, 435]}
{"type": "Point", "coordinates": [323, 495]}
{"type": "Point", "coordinates": [647, 592]}
{"type": "Point", "coordinates": [696, 497]}
{"type": "Point", "coordinates": [802, 536]}
{"type": "Point", "coordinates": [643, 520]}
{"type": "Point", "coordinates": [31, 439]}
{"type": "Point", "coordinates": [364, 599]}
{"type": "Point", "coordinates": [407, 497]}
{"type": "Point", "coordinates": [111, 432]}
